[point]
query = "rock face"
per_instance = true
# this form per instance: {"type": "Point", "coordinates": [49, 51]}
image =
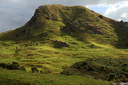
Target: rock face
{"type": "Point", "coordinates": [38, 10]}
{"type": "Point", "coordinates": [90, 32]}
{"type": "Point", "coordinates": [60, 44]}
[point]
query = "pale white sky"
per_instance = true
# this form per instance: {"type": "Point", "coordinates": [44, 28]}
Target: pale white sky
{"type": "Point", "coordinates": [15, 13]}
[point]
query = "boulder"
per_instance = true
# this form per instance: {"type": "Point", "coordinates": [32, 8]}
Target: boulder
{"type": "Point", "coordinates": [84, 9]}
{"type": "Point", "coordinates": [99, 32]}
{"type": "Point", "coordinates": [75, 23]}
{"type": "Point", "coordinates": [40, 7]}
{"type": "Point", "coordinates": [80, 21]}
{"type": "Point", "coordinates": [60, 44]}
{"type": "Point", "coordinates": [90, 20]}
{"type": "Point", "coordinates": [38, 10]}
{"type": "Point", "coordinates": [99, 27]}
{"type": "Point", "coordinates": [97, 19]}
{"type": "Point", "coordinates": [64, 44]}
{"type": "Point", "coordinates": [74, 43]}
{"type": "Point", "coordinates": [90, 32]}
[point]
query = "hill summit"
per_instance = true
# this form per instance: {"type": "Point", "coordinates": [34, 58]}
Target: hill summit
{"type": "Point", "coordinates": [55, 22]}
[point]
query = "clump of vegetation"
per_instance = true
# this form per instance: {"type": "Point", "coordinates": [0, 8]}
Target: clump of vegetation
{"type": "Point", "coordinates": [13, 66]}
{"type": "Point", "coordinates": [100, 16]}
{"type": "Point", "coordinates": [101, 68]}
{"type": "Point", "coordinates": [13, 77]}
{"type": "Point", "coordinates": [34, 70]}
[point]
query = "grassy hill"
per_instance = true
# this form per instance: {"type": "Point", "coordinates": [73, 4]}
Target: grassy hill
{"type": "Point", "coordinates": [57, 37]}
{"type": "Point", "coordinates": [52, 22]}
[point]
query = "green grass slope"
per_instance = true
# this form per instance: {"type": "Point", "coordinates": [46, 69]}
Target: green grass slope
{"type": "Point", "coordinates": [52, 22]}
{"type": "Point", "coordinates": [56, 38]}
{"type": "Point", "coordinates": [23, 78]}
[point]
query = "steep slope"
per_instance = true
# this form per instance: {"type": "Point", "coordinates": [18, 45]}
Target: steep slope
{"type": "Point", "coordinates": [51, 22]}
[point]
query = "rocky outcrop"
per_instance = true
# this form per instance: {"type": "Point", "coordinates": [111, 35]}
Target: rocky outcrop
{"type": "Point", "coordinates": [60, 44]}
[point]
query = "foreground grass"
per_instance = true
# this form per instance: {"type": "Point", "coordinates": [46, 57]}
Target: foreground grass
{"type": "Point", "coordinates": [11, 77]}
{"type": "Point", "coordinates": [51, 61]}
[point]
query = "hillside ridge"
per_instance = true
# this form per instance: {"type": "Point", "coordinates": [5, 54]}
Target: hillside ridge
{"type": "Point", "coordinates": [76, 21]}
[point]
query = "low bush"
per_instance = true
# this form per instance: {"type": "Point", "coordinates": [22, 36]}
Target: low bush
{"type": "Point", "coordinates": [101, 68]}
{"type": "Point", "coordinates": [100, 16]}
{"type": "Point", "coordinates": [13, 66]}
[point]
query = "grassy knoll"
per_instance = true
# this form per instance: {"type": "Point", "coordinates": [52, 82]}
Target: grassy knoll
{"type": "Point", "coordinates": [48, 59]}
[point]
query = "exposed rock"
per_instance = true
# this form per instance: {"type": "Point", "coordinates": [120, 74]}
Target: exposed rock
{"type": "Point", "coordinates": [74, 26]}
{"type": "Point", "coordinates": [40, 7]}
{"type": "Point", "coordinates": [64, 44]}
{"type": "Point", "coordinates": [84, 9]}
{"type": "Point", "coordinates": [81, 30]}
{"type": "Point", "coordinates": [90, 27]}
{"type": "Point", "coordinates": [92, 10]}
{"type": "Point", "coordinates": [71, 71]}
{"type": "Point", "coordinates": [15, 63]}
{"type": "Point", "coordinates": [90, 32]}
{"type": "Point", "coordinates": [80, 21]}
{"type": "Point", "coordinates": [60, 44]}
{"type": "Point", "coordinates": [38, 10]}
{"type": "Point", "coordinates": [97, 19]}
{"type": "Point", "coordinates": [17, 35]}
{"type": "Point", "coordinates": [75, 23]}
{"type": "Point", "coordinates": [123, 23]}
{"type": "Point", "coordinates": [99, 32]}
{"type": "Point", "coordinates": [23, 32]}
{"type": "Point", "coordinates": [99, 27]}
{"type": "Point", "coordinates": [74, 43]}
{"type": "Point", "coordinates": [100, 16]}
{"type": "Point", "coordinates": [90, 20]}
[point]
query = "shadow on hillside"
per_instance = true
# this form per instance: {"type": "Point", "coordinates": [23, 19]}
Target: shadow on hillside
{"type": "Point", "coordinates": [122, 33]}
{"type": "Point", "coordinates": [101, 68]}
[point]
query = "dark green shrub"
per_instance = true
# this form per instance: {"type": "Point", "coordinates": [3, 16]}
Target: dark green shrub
{"type": "Point", "coordinates": [34, 69]}
{"type": "Point", "coordinates": [71, 71]}
{"type": "Point", "coordinates": [101, 68]}
{"type": "Point", "coordinates": [3, 65]}
{"type": "Point", "coordinates": [13, 66]}
{"type": "Point", "coordinates": [125, 69]}
{"type": "Point", "coordinates": [100, 16]}
{"type": "Point", "coordinates": [23, 69]}
{"type": "Point", "coordinates": [112, 76]}
{"type": "Point", "coordinates": [126, 64]}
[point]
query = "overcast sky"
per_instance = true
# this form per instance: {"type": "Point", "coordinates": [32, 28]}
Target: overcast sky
{"type": "Point", "coordinates": [15, 13]}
